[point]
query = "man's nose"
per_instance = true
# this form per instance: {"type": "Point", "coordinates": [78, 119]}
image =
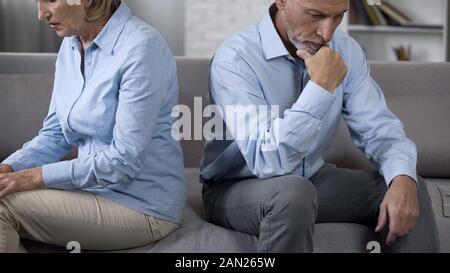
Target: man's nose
{"type": "Point", "coordinates": [326, 30]}
{"type": "Point", "coordinates": [43, 12]}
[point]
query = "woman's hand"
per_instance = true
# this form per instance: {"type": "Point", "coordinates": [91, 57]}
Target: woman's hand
{"type": "Point", "coordinates": [6, 169]}
{"type": "Point", "coordinates": [20, 181]}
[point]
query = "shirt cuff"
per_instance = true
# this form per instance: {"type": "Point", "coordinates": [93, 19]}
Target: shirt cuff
{"type": "Point", "coordinates": [57, 176]}
{"type": "Point", "coordinates": [397, 169]}
{"type": "Point", "coordinates": [315, 100]}
{"type": "Point", "coordinates": [15, 165]}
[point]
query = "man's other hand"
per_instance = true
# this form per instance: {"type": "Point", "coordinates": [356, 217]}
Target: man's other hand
{"type": "Point", "coordinates": [399, 209]}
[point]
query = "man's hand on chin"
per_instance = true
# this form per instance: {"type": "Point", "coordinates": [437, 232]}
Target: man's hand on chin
{"type": "Point", "coordinates": [399, 209]}
{"type": "Point", "coordinates": [326, 68]}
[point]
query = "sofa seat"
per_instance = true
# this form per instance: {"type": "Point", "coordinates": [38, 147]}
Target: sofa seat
{"type": "Point", "coordinates": [442, 222]}
{"type": "Point", "coordinates": [196, 235]}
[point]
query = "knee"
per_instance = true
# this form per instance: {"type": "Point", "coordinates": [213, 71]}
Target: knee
{"type": "Point", "coordinates": [297, 197]}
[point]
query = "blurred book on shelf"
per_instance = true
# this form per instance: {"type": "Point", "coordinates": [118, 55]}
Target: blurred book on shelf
{"type": "Point", "coordinates": [375, 16]}
{"type": "Point", "coordinates": [386, 14]}
{"type": "Point", "coordinates": [357, 13]}
{"type": "Point", "coordinates": [403, 53]}
{"type": "Point", "coordinates": [393, 15]}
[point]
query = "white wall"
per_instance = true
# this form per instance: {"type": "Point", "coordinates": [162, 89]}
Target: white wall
{"type": "Point", "coordinates": [210, 22]}
{"type": "Point", "coordinates": [167, 16]}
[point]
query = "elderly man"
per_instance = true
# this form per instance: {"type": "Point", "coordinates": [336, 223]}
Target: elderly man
{"type": "Point", "coordinates": [297, 60]}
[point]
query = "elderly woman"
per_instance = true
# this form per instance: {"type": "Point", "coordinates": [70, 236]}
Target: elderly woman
{"type": "Point", "coordinates": [115, 86]}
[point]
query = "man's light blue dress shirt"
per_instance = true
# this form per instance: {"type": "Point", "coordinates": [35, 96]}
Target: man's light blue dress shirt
{"type": "Point", "coordinates": [253, 67]}
{"type": "Point", "coordinates": [119, 115]}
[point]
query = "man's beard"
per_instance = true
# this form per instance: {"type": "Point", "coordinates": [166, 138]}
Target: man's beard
{"type": "Point", "coordinates": [303, 44]}
{"type": "Point", "coordinates": [311, 46]}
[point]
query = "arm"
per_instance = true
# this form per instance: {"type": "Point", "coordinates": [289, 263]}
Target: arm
{"type": "Point", "coordinates": [144, 82]}
{"type": "Point", "coordinates": [378, 133]}
{"type": "Point", "coordinates": [48, 146]}
{"type": "Point", "coordinates": [236, 84]}
{"type": "Point", "coordinates": [374, 129]}
{"type": "Point", "coordinates": [21, 171]}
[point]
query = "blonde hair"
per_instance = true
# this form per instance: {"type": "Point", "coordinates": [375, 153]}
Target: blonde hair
{"type": "Point", "coordinates": [100, 9]}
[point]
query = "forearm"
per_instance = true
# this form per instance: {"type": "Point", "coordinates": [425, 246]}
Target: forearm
{"type": "Point", "coordinates": [280, 150]}
{"type": "Point", "coordinates": [376, 131]}
{"type": "Point", "coordinates": [40, 151]}
{"type": "Point", "coordinates": [396, 156]}
{"type": "Point", "coordinates": [101, 169]}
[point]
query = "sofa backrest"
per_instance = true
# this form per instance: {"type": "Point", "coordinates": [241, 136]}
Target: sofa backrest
{"type": "Point", "coordinates": [419, 94]}
{"type": "Point", "coordinates": [26, 82]}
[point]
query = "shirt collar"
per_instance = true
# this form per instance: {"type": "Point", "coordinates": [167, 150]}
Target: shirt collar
{"type": "Point", "coordinates": [107, 38]}
{"type": "Point", "coordinates": [272, 44]}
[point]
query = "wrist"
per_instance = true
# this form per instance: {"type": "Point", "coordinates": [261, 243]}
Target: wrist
{"type": "Point", "coordinates": [324, 84]}
{"type": "Point", "coordinates": [6, 168]}
{"type": "Point", "coordinates": [36, 179]}
{"type": "Point", "coordinates": [404, 180]}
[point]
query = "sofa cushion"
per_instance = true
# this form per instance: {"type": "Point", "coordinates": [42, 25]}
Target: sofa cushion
{"type": "Point", "coordinates": [27, 63]}
{"type": "Point", "coordinates": [418, 94]}
{"type": "Point", "coordinates": [327, 238]}
{"type": "Point", "coordinates": [194, 187]}
{"type": "Point", "coordinates": [24, 103]}
{"type": "Point", "coordinates": [198, 236]}
{"type": "Point", "coordinates": [443, 222]}
{"type": "Point", "coordinates": [193, 80]}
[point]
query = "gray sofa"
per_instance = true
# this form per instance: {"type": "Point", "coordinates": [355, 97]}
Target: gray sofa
{"type": "Point", "coordinates": [418, 93]}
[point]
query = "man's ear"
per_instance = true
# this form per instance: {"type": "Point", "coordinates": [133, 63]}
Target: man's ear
{"type": "Point", "coordinates": [281, 4]}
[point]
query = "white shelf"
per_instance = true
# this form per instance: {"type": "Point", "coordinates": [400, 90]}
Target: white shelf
{"type": "Point", "coordinates": [429, 38]}
{"type": "Point", "coordinates": [394, 29]}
